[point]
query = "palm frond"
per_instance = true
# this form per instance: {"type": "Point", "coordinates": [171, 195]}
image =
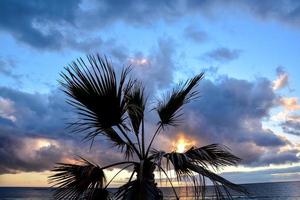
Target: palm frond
{"type": "Point", "coordinates": [124, 146]}
{"type": "Point", "coordinates": [197, 161]}
{"type": "Point", "coordinates": [213, 155]}
{"type": "Point", "coordinates": [73, 181]}
{"type": "Point", "coordinates": [114, 107]}
{"type": "Point", "coordinates": [136, 106]}
{"type": "Point", "coordinates": [169, 109]}
{"type": "Point", "coordinates": [187, 168]}
{"type": "Point", "coordinates": [96, 94]}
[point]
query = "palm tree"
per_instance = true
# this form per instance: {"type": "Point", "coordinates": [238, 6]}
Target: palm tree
{"type": "Point", "coordinates": [115, 108]}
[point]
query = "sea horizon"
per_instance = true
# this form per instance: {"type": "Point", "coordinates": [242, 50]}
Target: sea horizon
{"type": "Point", "coordinates": [250, 183]}
{"type": "Point", "coordinates": [288, 190]}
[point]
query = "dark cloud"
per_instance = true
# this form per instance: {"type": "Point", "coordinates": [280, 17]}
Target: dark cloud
{"type": "Point", "coordinates": [284, 11]}
{"type": "Point", "coordinates": [53, 24]}
{"type": "Point", "coordinates": [37, 137]}
{"type": "Point", "coordinates": [230, 112]}
{"type": "Point", "coordinates": [223, 54]}
{"type": "Point", "coordinates": [18, 153]}
{"type": "Point", "coordinates": [29, 120]}
{"type": "Point", "coordinates": [292, 125]}
{"type": "Point", "coordinates": [259, 176]}
{"type": "Point", "coordinates": [279, 157]}
{"type": "Point", "coordinates": [147, 12]}
{"type": "Point", "coordinates": [36, 22]}
{"type": "Point", "coordinates": [42, 113]}
{"type": "Point", "coordinates": [195, 35]}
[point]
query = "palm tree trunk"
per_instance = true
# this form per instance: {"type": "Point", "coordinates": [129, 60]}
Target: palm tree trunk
{"type": "Point", "coordinates": [146, 180]}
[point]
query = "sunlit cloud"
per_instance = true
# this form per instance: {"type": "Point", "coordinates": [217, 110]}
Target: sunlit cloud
{"type": "Point", "coordinates": [282, 79]}
{"type": "Point", "coordinates": [7, 109]}
{"type": "Point", "coordinates": [290, 103]}
{"type": "Point", "coordinates": [138, 61]}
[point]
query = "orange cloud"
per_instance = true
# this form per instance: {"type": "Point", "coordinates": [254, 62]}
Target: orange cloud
{"type": "Point", "coordinates": [290, 103]}
{"type": "Point", "coordinates": [281, 81]}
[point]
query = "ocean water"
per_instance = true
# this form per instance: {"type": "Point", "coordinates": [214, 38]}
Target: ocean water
{"type": "Point", "coordinates": [259, 191]}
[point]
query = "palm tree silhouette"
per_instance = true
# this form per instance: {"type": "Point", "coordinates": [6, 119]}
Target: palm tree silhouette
{"type": "Point", "coordinates": [114, 108]}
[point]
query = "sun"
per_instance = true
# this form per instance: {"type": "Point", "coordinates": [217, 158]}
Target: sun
{"type": "Point", "coordinates": [182, 144]}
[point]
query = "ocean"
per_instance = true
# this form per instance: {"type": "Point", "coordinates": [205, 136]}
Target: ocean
{"type": "Point", "coordinates": [259, 191]}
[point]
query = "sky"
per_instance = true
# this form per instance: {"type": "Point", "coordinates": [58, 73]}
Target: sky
{"type": "Point", "coordinates": [248, 49]}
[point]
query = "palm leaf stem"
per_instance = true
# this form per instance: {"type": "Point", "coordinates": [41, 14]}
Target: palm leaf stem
{"type": "Point", "coordinates": [139, 144]}
{"type": "Point", "coordinates": [118, 163]}
{"type": "Point", "coordinates": [156, 132]}
{"type": "Point", "coordinates": [117, 175]}
{"type": "Point", "coordinates": [173, 188]}
{"type": "Point", "coordinates": [130, 142]}
{"type": "Point", "coordinates": [143, 138]}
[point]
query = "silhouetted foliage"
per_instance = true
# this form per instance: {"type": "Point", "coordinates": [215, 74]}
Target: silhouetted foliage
{"type": "Point", "coordinates": [114, 108]}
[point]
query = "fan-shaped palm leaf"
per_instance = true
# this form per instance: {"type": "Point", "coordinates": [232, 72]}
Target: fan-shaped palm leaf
{"type": "Point", "coordinates": [99, 99]}
{"type": "Point", "coordinates": [135, 108]}
{"type": "Point", "coordinates": [196, 161]}
{"type": "Point", "coordinates": [169, 109]}
{"type": "Point", "coordinates": [74, 181]}
{"type": "Point", "coordinates": [136, 105]}
{"type": "Point", "coordinates": [95, 93]}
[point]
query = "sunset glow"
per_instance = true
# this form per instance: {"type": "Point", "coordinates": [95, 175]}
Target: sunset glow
{"type": "Point", "coordinates": [182, 144]}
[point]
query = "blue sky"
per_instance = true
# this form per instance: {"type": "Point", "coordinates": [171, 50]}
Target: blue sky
{"type": "Point", "coordinates": [248, 49]}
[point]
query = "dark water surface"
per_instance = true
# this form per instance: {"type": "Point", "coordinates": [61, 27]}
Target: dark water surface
{"type": "Point", "coordinates": [261, 191]}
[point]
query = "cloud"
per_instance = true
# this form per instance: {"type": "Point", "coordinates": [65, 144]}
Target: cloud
{"type": "Point", "coordinates": [53, 25]}
{"type": "Point", "coordinates": [6, 66]}
{"type": "Point", "coordinates": [144, 12]}
{"type": "Point", "coordinates": [155, 70]}
{"type": "Point", "coordinates": [37, 22]}
{"type": "Point", "coordinates": [86, 44]}
{"type": "Point", "coordinates": [287, 12]}
{"type": "Point", "coordinates": [290, 173]}
{"type": "Point", "coordinates": [230, 111]}
{"type": "Point", "coordinates": [33, 134]}
{"type": "Point", "coordinates": [290, 103]}
{"type": "Point", "coordinates": [288, 119]}
{"type": "Point", "coordinates": [36, 112]}
{"type": "Point", "coordinates": [291, 125]}
{"type": "Point", "coordinates": [195, 35]}
{"type": "Point", "coordinates": [223, 54]}
{"type": "Point", "coordinates": [7, 109]}
{"type": "Point", "coordinates": [282, 79]}
{"type": "Point", "coordinates": [24, 153]}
